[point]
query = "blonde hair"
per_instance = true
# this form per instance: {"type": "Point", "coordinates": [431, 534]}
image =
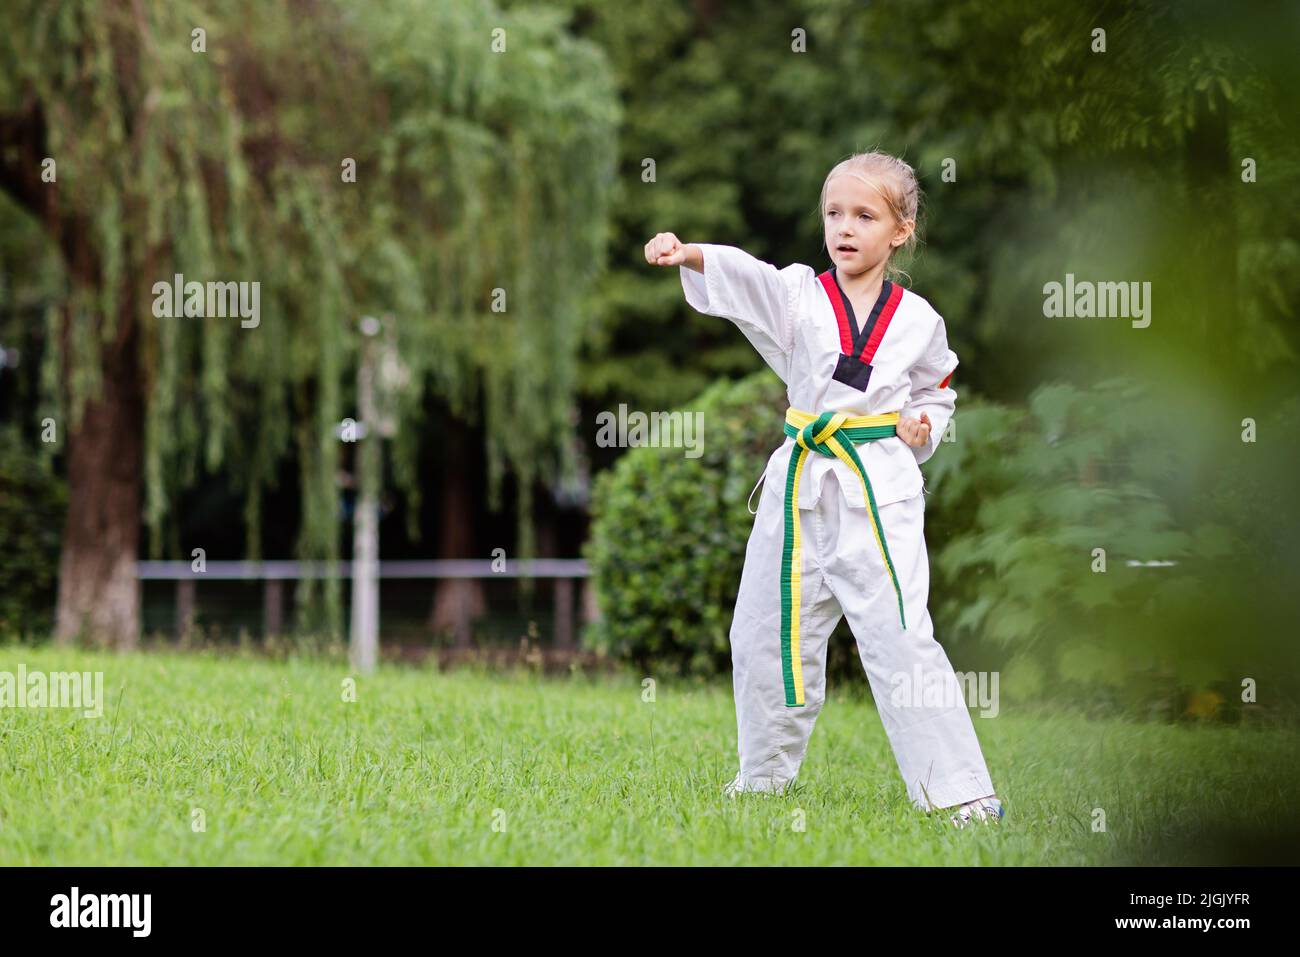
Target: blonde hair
{"type": "Point", "coordinates": [896, 182]}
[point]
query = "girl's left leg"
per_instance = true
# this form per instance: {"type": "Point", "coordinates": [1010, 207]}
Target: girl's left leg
{"type": "Point", "coordinates": [921, 703]}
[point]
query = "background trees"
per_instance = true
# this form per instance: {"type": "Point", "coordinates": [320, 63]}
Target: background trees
{"type": "Point", "coordinates": [212, 142]}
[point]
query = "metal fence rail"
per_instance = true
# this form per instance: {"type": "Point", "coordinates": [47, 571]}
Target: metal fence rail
{"type": "Point", "coordinates": [273, 574]}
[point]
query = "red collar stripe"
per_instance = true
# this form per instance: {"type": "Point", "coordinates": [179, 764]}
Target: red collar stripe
{"type": "Point", "coordinates": [833, 294]}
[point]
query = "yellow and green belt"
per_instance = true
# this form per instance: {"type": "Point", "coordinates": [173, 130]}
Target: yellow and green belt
{"type": "Point", "coordinates": [830, 434]}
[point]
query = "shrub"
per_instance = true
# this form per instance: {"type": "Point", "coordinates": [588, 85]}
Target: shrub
{"type": "Point", "coordinates": [1104, 555]}
{"type": "Point", "coordinates": [668, 532]}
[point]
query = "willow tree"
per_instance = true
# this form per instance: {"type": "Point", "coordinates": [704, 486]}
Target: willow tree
{"type": "Point", "coordinates": [416, 158]}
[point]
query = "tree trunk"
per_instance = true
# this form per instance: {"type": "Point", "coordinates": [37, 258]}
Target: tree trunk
{"type": "Point", "coordinates": [99, 594]}
{"type": "Point", "coordinates": [457, 602]}
{"type": "Point", "coordinates": [98, 590]}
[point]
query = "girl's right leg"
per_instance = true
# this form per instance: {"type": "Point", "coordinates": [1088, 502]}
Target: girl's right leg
{"type": "Point", "coordinates": [771, 736]}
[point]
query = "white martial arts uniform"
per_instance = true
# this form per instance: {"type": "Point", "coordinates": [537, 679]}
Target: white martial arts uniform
{"type": "Point", "coordinates": [796, 320]}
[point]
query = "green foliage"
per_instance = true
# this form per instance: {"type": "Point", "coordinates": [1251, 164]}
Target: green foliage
{"type": "Point", "coordinates": [32, 503]}
{"type": "Point", "coordinates": [1057, 535]}
{"type": "Point", "coordinates": [668, 533]}
{"type": "Point", "coordinates": [1024, 496]}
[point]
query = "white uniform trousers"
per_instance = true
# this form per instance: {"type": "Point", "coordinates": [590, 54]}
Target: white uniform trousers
{"type": "Point", "coordinates": [843, 575]}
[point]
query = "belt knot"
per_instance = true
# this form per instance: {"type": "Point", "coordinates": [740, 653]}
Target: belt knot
{"type": "Point", "coordinates": [813, 436]}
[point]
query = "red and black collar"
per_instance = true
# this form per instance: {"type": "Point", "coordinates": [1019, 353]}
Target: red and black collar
{"type": "Point", "coordinates": [861, 343]}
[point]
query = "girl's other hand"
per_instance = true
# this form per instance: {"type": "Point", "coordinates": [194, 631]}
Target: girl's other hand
{"type": "Point", "coordinates": [915, 432]}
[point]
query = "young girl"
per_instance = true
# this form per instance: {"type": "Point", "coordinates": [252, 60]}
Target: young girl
{"type": "Point", "coordinates": [867, 369]}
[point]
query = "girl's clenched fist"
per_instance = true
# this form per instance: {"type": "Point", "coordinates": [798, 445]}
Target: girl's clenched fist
{"type": "Point", "coordinates": [667, 250]}
{"type": "Point", "coordinates": [915, 432]}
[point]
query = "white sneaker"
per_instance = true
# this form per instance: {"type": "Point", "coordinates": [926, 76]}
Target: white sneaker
{"type": "Point", "coordinates": [985, 809]}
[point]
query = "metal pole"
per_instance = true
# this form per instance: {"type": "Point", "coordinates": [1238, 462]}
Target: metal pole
{"type": "Point", "coordinates": [365, 529]}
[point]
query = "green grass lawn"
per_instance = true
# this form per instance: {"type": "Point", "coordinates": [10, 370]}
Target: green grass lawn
{"type": "Point", "coordinates": [472, 768]}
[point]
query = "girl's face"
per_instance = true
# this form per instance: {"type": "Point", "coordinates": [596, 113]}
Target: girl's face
{"type": "Point", "coordinates": [860, 230]}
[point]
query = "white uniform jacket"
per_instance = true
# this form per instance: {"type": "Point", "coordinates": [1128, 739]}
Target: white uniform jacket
{"type": "Point", "coordinates": [789, 317]}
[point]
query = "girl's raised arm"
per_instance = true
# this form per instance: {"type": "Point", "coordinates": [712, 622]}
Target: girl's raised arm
{"type": "Point", "coordinates": [726, 281]}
